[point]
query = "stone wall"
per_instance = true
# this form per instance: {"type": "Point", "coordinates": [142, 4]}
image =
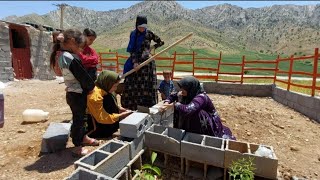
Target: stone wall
{"type": "Point", "coordinates": [6, 70]}
{"type": "Point", "coordinates": [40, 49]}
{"type": "Point", "coordinates": [307, 105]}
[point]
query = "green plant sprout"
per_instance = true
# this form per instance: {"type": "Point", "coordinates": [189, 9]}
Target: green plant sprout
{"type": "Point", "coordinates": [242, 169]}
{"type": "Point", "coordinates": [149, 171]}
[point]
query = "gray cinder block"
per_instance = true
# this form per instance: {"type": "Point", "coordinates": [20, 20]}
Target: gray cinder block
{"type": "Point", "coordinates": [235, 150]}
{"type": "Point", "coordinates": [191, 147]}
{"type": "Point", "coordinates": [123, 174]}
{"type": "Point", "coordinates": [55, 138]}
{"type": "Point", "coordinates": [86, 174]}
{"type": "Point", "coordinates": [108, 159]}
{"type": "Point", "coordinates": [262, 162]}
{"type": "Point", "coordinates": [164, 139]}
{"type": "Point", "coordinates": [213, 152]}
{"type": "Point", "coordinates": [211, 148]}
{"type": "Point", "coordinates": [135, 124]}
{"type": "Point", "coordinates": [135, 144]}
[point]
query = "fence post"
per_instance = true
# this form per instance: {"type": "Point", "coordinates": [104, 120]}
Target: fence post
{"type": "Point", "coordinates": [219, 62]}
{"type": "Point", "coordinates": [100, 58]}
{"type": "Point", "coordinates": [193, 63]}
{"type": "Point", "coordinates": [174, 63]}
{"type": "Point", "coordinates": [290, 73]}
{"type": "Point", "coordinates": [242, 68]}
{"type": "Point", "coordinates": [276, 70]}
{"type": "Point", "coordinates": [117, 63]}
{"type": "Point", "coordinates": [315, 71]}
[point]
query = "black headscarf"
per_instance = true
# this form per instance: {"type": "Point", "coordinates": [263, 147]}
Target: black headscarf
{"type": "Point", "coordinates": [141, 19]}
{"type": "Point", "coordinates": [192, 86]}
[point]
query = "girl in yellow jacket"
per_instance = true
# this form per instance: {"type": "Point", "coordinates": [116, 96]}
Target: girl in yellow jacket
{"type": "Point", "coordinates": [103, 107]}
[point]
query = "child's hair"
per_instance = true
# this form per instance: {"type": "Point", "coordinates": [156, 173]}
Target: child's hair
{"type": "Point", "coordinates": [166, 72]}
{"type": "Point", "coordinates": [67, 34]}
{"type": "Point", "coordinates": [89, 32]}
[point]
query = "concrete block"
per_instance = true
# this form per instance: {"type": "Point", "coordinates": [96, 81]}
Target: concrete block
{"type": "Point", "coordinates": [85, 174]}
{"type": "Point", "coordinates": [135, 144]}
{"type": "Point", "coordinates": [265, 167]}
{"type": "Point", "coordinates": [291, 96]}
{"type": "Point", "coordinates": [191, 146]}
{"type": "Point", "coordinates": [162, 118]}
{"type": "Point", "coordinates": [306, 101]}
{"type": "Point", "coordinates": [135, 163]}
{"type": "Point", "coordinates": [213, 151]}
{"type": "Point", "coordinates": [135, 124]}
{"type": "Point", "coordinates": [123, 174]}
{"type": "Point", "coordinates": [234, 151]}
{"type": "Point", "coordinates": [163, 139]}
{"type": "Point", "coordinates": [55, 138]}
{"type": "Point", "coordinates": [108, 159]}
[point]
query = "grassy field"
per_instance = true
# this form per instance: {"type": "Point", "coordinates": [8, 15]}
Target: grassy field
{"type": "Point", "coordinates": [305, 66]}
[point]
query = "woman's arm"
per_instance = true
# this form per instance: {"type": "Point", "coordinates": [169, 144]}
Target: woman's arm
{"type": "Point", "coordinates": [194, 106]}
{"type": "Point", "coordinates": [172, 98]}
{"type": "Point", "coordinates": [95, 107]}
{"type": "Point", "coordinates": [157, 40]}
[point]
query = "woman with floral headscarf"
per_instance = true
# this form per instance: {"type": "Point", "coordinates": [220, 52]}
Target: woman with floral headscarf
{"type": "Point", "coordinates": [103, 106]}
{"type": "Point", "coordinates": [195, 112]}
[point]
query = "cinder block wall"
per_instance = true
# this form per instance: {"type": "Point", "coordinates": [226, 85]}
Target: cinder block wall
{"type": "Point", "coordinates": [40, 48]}
{"type": "Point", "coordinates": [259, 90]}
{"type": "Point", "coordinates": [307, 105]}
{"type": "Point", "coordinates": [6, 70]}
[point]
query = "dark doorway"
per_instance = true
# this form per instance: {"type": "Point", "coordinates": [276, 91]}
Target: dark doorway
{"type": "Point", "coordinates": [20, 49]}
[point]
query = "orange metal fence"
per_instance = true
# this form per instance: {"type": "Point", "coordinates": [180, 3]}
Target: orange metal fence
{"type": "Point", "coordinates": [209, 72]}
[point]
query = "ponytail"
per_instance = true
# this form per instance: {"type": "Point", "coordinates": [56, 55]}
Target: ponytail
{"type": "Point", "coordinates": [56, 47]}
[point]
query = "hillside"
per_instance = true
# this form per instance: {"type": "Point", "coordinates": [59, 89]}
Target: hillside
{"type": "Point", "coordinates": [292, 29]}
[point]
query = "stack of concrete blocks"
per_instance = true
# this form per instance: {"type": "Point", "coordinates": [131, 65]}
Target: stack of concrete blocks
{"type": "Point", "coordinates": [85, 174]}
{"type": "Point", "coordinates": [108, 159]}
{"type": "Point", "coordinates": [265, 167]}
{"type": "Point", "coordinates": [6, 69]}
{"type": "Point", "coordinates": [55, 138]}
{"type": "Point", "coordinates": [136, 149]}
{"type": "Point", "coordinates": [166, 140]}
{"type": "Point", "coordinates": [307, 105]}
{"type": "Point", "coordinates": [204, 151]}
{"type": "Point", "coordinates": [164, 118]}
{"type": "Point", "coordinates": [134, 125]}
{"type": "Point", "coordinates": [41, 43]}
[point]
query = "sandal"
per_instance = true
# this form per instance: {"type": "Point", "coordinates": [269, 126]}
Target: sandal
{"type": "Point", "coordinates": [79, 152]}
{"type": "Point", "coordinates": [93, 142]}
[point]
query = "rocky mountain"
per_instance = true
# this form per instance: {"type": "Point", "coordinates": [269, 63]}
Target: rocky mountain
{"type": "Point", "coordinates": [288, 29]}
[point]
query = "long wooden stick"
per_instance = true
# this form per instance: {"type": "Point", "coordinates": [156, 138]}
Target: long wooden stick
{"type": "Point", "coordinates": [152, 57]}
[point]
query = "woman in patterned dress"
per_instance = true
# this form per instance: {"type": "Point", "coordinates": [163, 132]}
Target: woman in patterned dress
{"type": "Point", "coordinates": [140, 86]}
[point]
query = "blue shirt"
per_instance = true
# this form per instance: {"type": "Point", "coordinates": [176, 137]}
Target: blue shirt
{"type": "Point", "coordinates": [166, 88]}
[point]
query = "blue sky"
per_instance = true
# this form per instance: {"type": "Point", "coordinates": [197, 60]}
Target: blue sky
{"type": "Point", "coordinates": [20, 8]}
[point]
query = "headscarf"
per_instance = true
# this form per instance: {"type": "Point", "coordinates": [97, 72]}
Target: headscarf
{"type": "Point", "coordinates": [192, 86]}
{"type": "Point", "coordinates": [106, 80]}
{"type": "Point", "coordinates": [141, 20]}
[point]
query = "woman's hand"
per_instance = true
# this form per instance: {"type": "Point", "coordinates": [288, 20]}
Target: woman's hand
{"type": "Point", "coordinates": [165, 106]}
{"type": "Point", "coordinates": [125, 114]}
{"type": "Point", "coordinates": [136, 66]}
{"type": "Point", "coordinates": [121, 109]}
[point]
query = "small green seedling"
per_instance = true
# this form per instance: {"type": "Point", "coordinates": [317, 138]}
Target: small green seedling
{"type": "Point", "coordinates": [149, 171]}
{"type": "Point", "coordinates": [242, 169]}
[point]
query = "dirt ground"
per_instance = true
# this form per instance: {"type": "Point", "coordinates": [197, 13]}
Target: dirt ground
{"type": "Point", "coordinates": [295, 138]}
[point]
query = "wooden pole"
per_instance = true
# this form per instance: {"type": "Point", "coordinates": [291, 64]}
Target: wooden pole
{"type": "Point", "coordinates": [152, 57]}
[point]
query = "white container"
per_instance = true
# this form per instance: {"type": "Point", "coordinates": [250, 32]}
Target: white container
{"type": "Point", "coordinates": [34, 115]}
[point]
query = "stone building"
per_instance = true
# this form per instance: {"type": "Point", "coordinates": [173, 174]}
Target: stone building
{"type": "Point", "coordinates": [25, 51]}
